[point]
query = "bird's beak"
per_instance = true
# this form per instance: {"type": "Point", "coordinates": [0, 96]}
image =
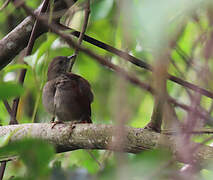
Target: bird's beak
{"type": "Point", "coordinates": [70, 57]}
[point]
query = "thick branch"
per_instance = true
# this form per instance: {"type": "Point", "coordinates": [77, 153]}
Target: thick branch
{"type": "Point", "coordinates": [89, 136]}
{"type": "Point", "coordinates": [17, 39]}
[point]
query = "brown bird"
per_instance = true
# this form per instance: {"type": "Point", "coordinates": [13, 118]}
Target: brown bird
{"type": "Point", "coordinates": [66, 95]}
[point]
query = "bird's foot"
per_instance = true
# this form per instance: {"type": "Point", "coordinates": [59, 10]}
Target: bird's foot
{"type": "Point", "coordinates": [73, 123]}
{"type": "Point", "coordinates": [53, 119]}
{"type": "Point", "coordinates": [56, 122]}
{"type": "Point", "coordinates": [85, 120]}
{"type": "Point", "coordinates": [152, 127]}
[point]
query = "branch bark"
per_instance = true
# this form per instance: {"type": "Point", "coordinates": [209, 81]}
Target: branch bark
{"type": "Point", "coordinates": [97, 136]}
{"type": "Point", "coordinates": [17, 39]}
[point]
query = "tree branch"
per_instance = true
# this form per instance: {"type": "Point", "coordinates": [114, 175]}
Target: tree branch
{"type": "Point", "coordinates": [17, 39]}
{"type": "Point", "coordinates": [140, 63]}
{"type": "Point", "coordinates": [2, 169]}
{"type": "Point", "coordinates": [81, 36]}
{"type": "Point", "coordinates": [92, 136]}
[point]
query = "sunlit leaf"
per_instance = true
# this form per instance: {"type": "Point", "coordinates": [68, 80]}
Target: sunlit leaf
{"type": "Point", "coordinates": [46, 45]}
{"type": "Point", "coordinates": [15, 67]}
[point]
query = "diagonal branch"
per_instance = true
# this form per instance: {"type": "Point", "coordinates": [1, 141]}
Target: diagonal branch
{"type": "Point", "coordinates": [17, 39]}
{"type": "Point", "coordinates": [86, 19]}
{"type": "Point", "coordinates": [140, 63]}
{"type": "Point", "coordinates": [7, 106]}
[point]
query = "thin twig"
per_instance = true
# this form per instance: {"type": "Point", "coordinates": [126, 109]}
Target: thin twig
{"type": "Point", "coordinates": [86, 19]}
{"type": "Point", "coordinates": [94, 158]}
{"type": "Point", "coordinates": [201, 109]}
{"type": "Point", "coordinates": [5, 5]}
{"type": "Point", "coordinates": [28, 52]}
{"type": "Point", "coordinates": [195, 131]}
{"type": "Point", "coordinates": [139, 62]}
{"type": "Point", "coordinates": [7, 106]}
{"type": "Point", "coordinates": [2, 169]}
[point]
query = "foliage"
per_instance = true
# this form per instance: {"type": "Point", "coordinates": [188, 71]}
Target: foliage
{"type": "Point", "coordinates": [141, 28]}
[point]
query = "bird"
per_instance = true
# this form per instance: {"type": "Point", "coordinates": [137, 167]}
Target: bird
{"type": "Point", "coordinates": [67, 96]}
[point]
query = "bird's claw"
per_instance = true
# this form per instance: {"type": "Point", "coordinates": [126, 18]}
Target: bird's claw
{"type": "Point", "coordinates": [55, 122]}
{"type": "Point", "coordinates": [150, 126]}
{"type": "Point", "coordinates": [53, 119]}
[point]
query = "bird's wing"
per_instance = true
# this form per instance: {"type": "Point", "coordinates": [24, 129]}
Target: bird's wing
{"type": "Point", "coordinates": [83, 86]}
{"type": "Point", "coordinates": [85, 95]}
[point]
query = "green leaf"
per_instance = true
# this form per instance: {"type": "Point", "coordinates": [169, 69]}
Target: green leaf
{"type": "Point", "coordinates": [82, 158]}
{"type": "Point", "coordinates": [147, 163]}
{"type": "Point", "coordinates": [10, 89]}
{"type": "Point", "coordinates": [15, 67]}
{"type": "Point", "coordinates": [100, 9]}
{"type": "Point", "coordinates": [36, 155]}
{"type": "Point", "coordinates": [46, 45]}
{"type": "Point", "coordinates": [31, 60]}
{"type": "Point", "coordinates": [4, 140]}
{"type": "Point", "coordinates": [86, 64]}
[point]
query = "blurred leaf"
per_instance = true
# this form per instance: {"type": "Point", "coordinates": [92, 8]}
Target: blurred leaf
{"type": "Point", "coordinates": [206, 174]}
{"type": "Point", "coordinates": [33, 4]}
{"type": "Point", "coordinates": [155, 22]}
{"type": "Point", "coordinates": [100, 9]}
{"type": "Point", "coordinates": [187, 40]}
{"type": "Point", "coordinates": [154, 164]}
{"type": "Point", "coordinates": [143, 115]}
{"type": "Point", "coordinates": [10, 89]}
{"type": "Point", "coordinates": [45, 46]}
{"type": "Point", "coordinates": [85, 65]}
{"type": "Point", "coordinates": [4, 140]}
{"type": "Point", "coordinates": [31, 60]}
{"type": "Point", "coordinates": [82, 159]}
{"type": "Point", "coordinates": [35, 153]}
{"type": "Point", "coordinates": [14, 67]}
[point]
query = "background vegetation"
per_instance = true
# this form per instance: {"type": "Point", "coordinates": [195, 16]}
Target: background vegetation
{"type": "Point", "coordinates": [145, 29]}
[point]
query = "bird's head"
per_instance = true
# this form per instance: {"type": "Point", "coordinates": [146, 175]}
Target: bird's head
{"type": "Point", "coordinates": [58, 66]}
